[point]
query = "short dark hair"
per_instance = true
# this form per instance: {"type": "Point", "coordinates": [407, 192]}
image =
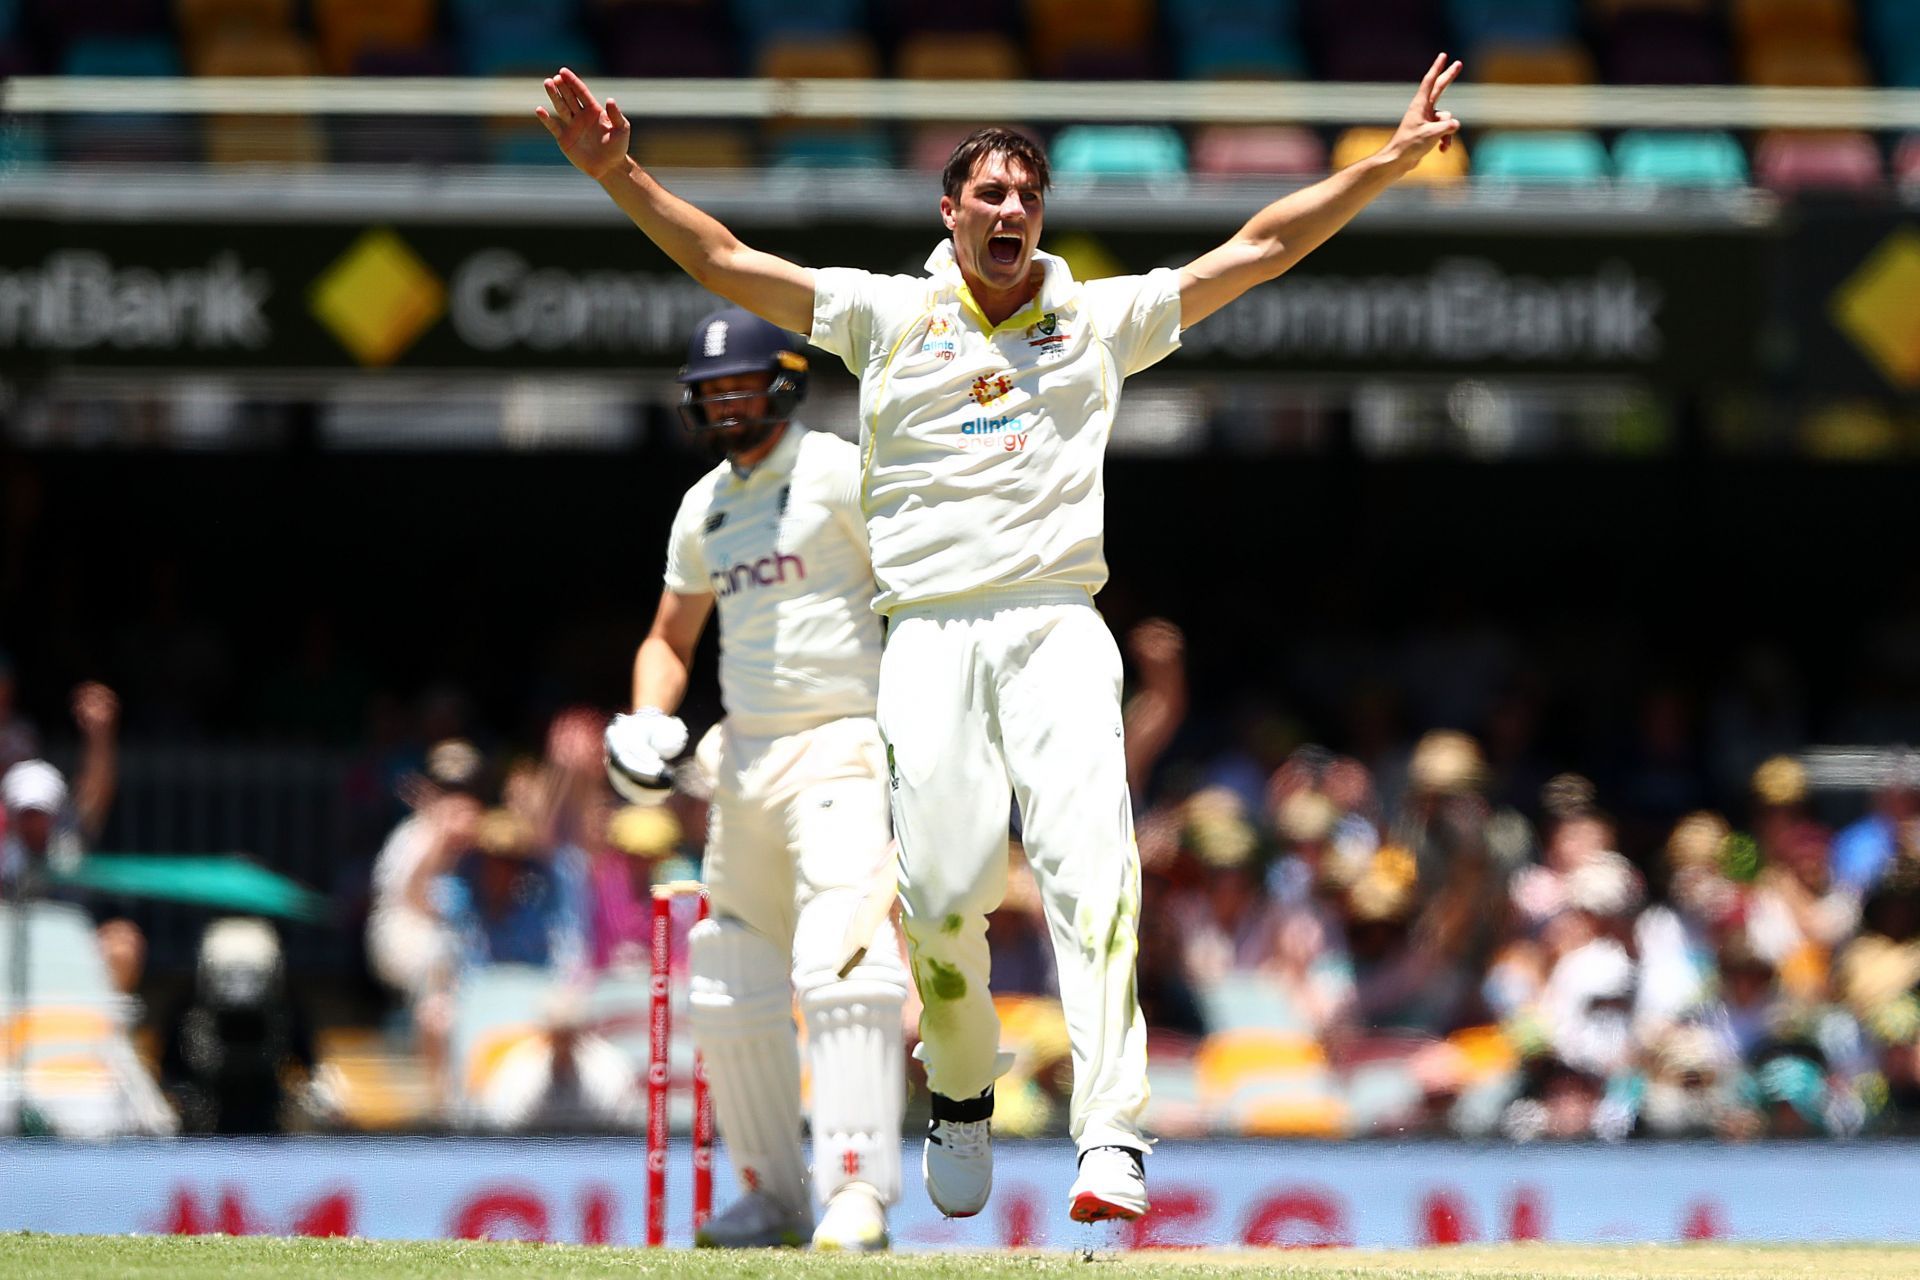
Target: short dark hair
{"type": "Point", "coordinates": [995, 141]}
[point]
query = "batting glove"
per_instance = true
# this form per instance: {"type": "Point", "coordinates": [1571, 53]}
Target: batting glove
{"type": "Point", "coordinates": [638, 748]}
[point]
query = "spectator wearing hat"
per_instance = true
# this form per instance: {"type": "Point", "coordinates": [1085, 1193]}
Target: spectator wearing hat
{"type": "Point", "coordinates": [409, 944]}
{"type": "Point", "coordinates": [47, 829]}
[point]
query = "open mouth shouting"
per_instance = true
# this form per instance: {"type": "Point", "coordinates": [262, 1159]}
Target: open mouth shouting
{"type": "Point", "coordinates": [1003, 248]}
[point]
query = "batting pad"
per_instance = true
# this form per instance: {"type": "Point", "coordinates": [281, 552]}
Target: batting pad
{"type": "Point", "coordinates": [859, 1080]}
{"type": "Point", "coordinates": [741, 1011]}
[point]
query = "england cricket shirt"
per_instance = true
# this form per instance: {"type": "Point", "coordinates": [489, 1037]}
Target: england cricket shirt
{"type": "Point", "coordinates": [783, 551]}
{"type": "Point", "coordinates": [984, 446]}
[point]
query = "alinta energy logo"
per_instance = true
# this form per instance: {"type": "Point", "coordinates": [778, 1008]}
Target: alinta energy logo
{"type": "Point", "coordinates": [378, 298]}
{"type": "Point", "coordinates": [1875, 307]}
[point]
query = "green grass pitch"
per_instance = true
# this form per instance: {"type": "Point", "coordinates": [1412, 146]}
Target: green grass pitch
{"type": "Point", "coordinates": [27, 1256]}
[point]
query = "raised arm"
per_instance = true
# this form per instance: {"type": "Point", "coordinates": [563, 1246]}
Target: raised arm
{"type": "Point", "coordinates": [595, 139]}
{"type": "Point", "coordinates": [1295, 225]}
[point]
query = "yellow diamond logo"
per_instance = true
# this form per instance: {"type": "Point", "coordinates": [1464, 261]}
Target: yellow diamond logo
{"type": "Point", "coordinates": [1876, 308]}
{"type": "Point", "coordinates": [378, 298]}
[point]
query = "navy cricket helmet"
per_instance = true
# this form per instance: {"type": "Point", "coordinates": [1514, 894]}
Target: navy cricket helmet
{"type": "Point", "coordinates": [730, 341]}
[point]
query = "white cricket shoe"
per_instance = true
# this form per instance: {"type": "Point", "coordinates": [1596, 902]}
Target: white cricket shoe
{"type": "Point", "coordinates": [755, 1221]}
{"type": "Point", "coordinates": [855, 1222]}
{"type": "Point", "coordinates": [1112, 1184]}
{"type": "Point", "coordinates": [957, 1161]}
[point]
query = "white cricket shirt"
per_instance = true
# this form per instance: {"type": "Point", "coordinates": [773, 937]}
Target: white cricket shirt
{"type": "Point", "coordinates": [985, 445]}
{"type": "Point", "coordinates": [783, 551]}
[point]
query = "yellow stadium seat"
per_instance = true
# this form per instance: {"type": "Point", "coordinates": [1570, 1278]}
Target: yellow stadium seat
{"type": "Point", "coordinates": [200, 20]}
{"type": "Point", "coordinates": [1057, 28]}
{"type": "Point", "coordinates": [54, 1024]}
{"type": "Point", "coordinates": [1798, 64]}
{"type": "Point", "coordinates": [941, 55]}
{"type": "Point", "coordinates": [1533, 64]}
{"type": "Point", "coordinates": [819, 58]}
{"type": "Point", "coordinates": [1774, 21]}
{"type": "Point", "coordinates": [715, 147]}
{"type": "Point", "coordinates": [491, 1050]}
{"type": "Point", "coordinates": [254, 53]}
{"type": "Point", "coordinates": [1440, 168]}
{"type": "Point", "coordinates": [346, 28]}
{"type": "Point", "coordinates": [1268, 1084]}
{"type": "Point", "coordinates": [265, 140]}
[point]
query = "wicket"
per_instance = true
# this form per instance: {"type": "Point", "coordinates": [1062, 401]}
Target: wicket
{"type": "Point", "coordinates": [659, 1075]}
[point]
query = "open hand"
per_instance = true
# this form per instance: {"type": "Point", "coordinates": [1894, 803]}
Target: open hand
{"type": "Point", "coordinates": [1425, 126]}
{"type": "Point", "coordinates": [593, 137]}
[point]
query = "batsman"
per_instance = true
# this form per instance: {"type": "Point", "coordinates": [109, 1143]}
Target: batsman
{"type": "Point", "coordinates": [798, 844]}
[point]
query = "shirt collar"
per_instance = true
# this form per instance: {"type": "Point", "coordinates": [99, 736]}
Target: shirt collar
{"type": "Point", "coordinates": [1056, 278]}
{"type": "Point", "coordinates": [777, 463]}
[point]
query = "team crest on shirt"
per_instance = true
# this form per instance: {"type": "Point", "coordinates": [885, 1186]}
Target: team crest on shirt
{"type": "Point", "coordinates": [986, 390]}
{"type": "Point", "coordinates": [1046, 334]}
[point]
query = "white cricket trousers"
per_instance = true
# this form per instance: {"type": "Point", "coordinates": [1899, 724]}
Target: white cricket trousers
{"type": "Point", "coordinates": [1015, 694]}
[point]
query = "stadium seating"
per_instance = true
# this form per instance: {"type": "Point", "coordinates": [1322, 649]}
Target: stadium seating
{"type": "Point", "coordinates": [1559, 63]}
{"type": "Point", "coordinates": [346, 29]}
{"type": "Point", "coordinates": [818, 57]}
{"type": "Point", "coordinates": [1478, 22]}
{"type": "Point", "coordinates": [967, 55]}
{"type": "Point", "coordinates": [121, 56]}
{"type": "Point", "coordinates": [1661, 47]}
{"type": "Point", "coordinates": [761, 21]}
{"type": "Point", "coordinates": [849, 148]}
{"type": "Point", "coordinates": [1063, 32]}
{"type": "Point", "coordinates": [1118, 150]}
{"type": "Point", "coordinates": [1545, 157]}
{"type": "Point", "coordinates": [1236, 39]}
{"type": "Point", "coordinates": [1268, 1084]}
{"type": "Point", "coordinates": [1679, 159]}
{"type": "Point", "coordinates": [1906, 160]}
{"type": "Point", "coordinates": [1282, 151]}
{"type": "Point", "coordinates": [696, 147]}
{"type": "Point", "coordinates": [1439, 168]}
{"type": "Point", "coordinates": [1842, 161]}
{"type": "Point", "coordinates": [650, 41]}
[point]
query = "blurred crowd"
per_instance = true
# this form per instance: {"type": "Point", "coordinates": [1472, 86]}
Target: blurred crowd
{"type": "Point", "coordinates": [1430, 934]}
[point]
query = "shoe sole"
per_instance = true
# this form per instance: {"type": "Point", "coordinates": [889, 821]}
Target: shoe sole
{"type": "Point", "coordinates": [1088, 1207]}
{"type": "Point", "coordinates": [882, 1245]}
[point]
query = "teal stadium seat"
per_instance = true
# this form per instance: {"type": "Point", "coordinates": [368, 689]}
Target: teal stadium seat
{"type": "Point", "coordinates": [1540, 159]}
{"type": "Point", "coordinates": [121, 56]}
{"type": "Point", "coordinates": [1662, 158]}
{"type": "Point", "coordinates": [1094, 150]}
{"type": "Point", "coordinates": [1228, 53]}
{"type": "Point", "coordinates": [759, 20]}
{"type": "Point", "coordinates": [515, 50]}
{"type": "Point", "coordinates": [1894, 40]}
{"type": "Point", "coordinates": [1236, 39]}
{"type": "Point", "coordinates": [9, 17]}
{"type": "Point", "coordinates": [1476, 22]}
{"type": "Point", "coordinates": [1238, 1001]}
{"type": "Point", "coordinates": [833, 149]}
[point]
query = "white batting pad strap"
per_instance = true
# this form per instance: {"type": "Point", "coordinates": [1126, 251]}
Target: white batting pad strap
{"type": "Point", "coordinates": [741, 1014]}
{"type": "Point", "coordinates": [859, 1081]}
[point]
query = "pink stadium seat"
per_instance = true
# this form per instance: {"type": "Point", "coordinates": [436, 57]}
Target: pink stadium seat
{"type": "Point", "coordinates": [1906, 160]}
{"type": "Point", "coordinates": [1818, 162]}
{"type": "Point", "coordinates": [1280, 150]}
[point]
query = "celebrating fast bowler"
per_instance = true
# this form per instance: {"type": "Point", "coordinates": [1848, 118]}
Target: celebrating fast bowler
{"type": "Point", "coordinates": [774, 538]}
{"type": "Point", "coordinates": [987, 392]}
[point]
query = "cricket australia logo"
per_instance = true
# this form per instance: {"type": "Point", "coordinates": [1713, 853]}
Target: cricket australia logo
{"type": "Point", "coordinates": [986, 390]}
{"type": "Point", "coordinates": [1046, 334]}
